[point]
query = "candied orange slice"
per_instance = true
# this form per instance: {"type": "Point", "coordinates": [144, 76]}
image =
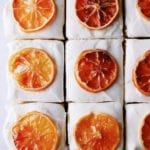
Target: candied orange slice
{"type": "Point", "coordinates": [144, 8]}
{"type": "Point", "coordinates": [32, 68]}
{"type": "Point", "coordinates": [141, 74]}
{"type": "Point", "coordinates": [97, 14]}
{"type": "Point", "coordinates": [35, 131]}
{"type": "Point", "coordinates": [33, 15]}
{"type": "Point", "coordinates": [145, 133]}
{"type": "Point", "coordinates": [95, 70]}
{"type": "Point", "coordinates": [97, 132]}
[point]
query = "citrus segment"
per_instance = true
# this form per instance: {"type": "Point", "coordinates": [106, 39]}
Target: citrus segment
{"type": "Point", "coordinates": [95, 70]}
{"type": "Point", "coordinates": [145, 133]}
{"type": "Point", "coordinates": [97, 132]}
{"type": "Point", "coordinates": [33, 15]}
{"type": "Point", "coordinates": [144, 8]}
{"type": "Point", "coordinates": [141, 74]}
{"type": "Point", "coordinates": [97, 14]}
{"type": "Point", "coordinates": [32, 68]}
{"type": "Point", "coordinates": [35, 131]}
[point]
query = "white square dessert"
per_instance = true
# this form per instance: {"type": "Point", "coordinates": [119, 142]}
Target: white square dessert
{"type": "Point", "coordinates": [53, 30]}
{"type": "Point", "coordinates": [134, 50]}
{"type": "Point", "coordinates": [52, 92]}
{"type": "Point", "coordinates": [136, 25]}
{"type": "Point", "coordinates": [79, 110]}
{"type": "Point", "coordinates": [56, 113]}
{"type": "Point", "coordinates": [135, 114]}
{"type": "Point", "coordinates": [78, 94]}
{"type": "Point", "coordinates": [76, 30]}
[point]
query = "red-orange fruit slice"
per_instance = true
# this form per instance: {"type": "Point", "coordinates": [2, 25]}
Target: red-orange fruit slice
{"type": "Point", "coordinates": [96, 14]}
{"type": "Point", "coordinates": [144, 8]}
{"type": "Point", "coordinates": [141, 74]}
{"type": "Point", "coordinates": [35, 131]}
{"type": "Point", "coordinates": [97, 132]}
{"type": "Point", "coordinates": [145, 133]}
{"type": "Point", "coordinates": [32, 68]}
{"type": "Point", "coordinates": [95, 70]}
{"type": "Point", "coordinates": [33, 15]}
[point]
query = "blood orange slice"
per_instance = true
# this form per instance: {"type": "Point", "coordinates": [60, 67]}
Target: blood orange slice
{"type": "Point", "coordinates": [33, 15]}
{"type": "Point", "coordinates": [97, 132]}
{"type": "Point", "coordinates": [144, 8]}
{"type": "Point", "coordinates": [32, 68]}
{"type": "Point", "coordinates": [97, 14]}
{"type": "Point", "coordinates": [141, 74]}
{"type": "Point", "coordinates": [35, 131]}
{"type": "Point", "coordinates": [95, 70]}
{"type": "Point", "coordinates": [145, 133]}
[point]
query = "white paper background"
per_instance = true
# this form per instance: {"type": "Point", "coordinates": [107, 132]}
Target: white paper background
{"type": "Point", "coordinates": [3, 87]}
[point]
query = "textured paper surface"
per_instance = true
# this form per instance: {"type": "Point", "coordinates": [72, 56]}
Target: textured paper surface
{"type": "Point", "coordinates": [75, 30]}
{"type": "Point", "coordinates": [54, 92]}
{"type": "Point", "coordinates": [78, 110]}
{"type": "Point", "coordinates": [78, 94]}
{"type": "Point", "coordinates": [52, 31]}
{"type": "Point", "coordinates": [135, 113]}
{"type": "Point", "coordinates": [54, 111]}
{"type": "Point", "coordinates": [136, 25]}
{"type": "Point", "coordinates": [134, 50]}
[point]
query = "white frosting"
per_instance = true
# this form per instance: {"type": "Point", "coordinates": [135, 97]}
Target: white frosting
{"type": "Point", "coordinates": [52, 31]}
{"type": "Point", "coordinates": [136, 25]}
{"type": "Point", "coordinates": [53, 93]}
{"type": "Point", "coordinates": [134, 50]}
{"type": "Point", "coordinates": [78, 94]}
{"type": "Point", "coordinates": [75, 30]}
{"type": "Point", "coordinates": [135, 113]}
{"type": "Point", "coordinates": [54, 111]}
{"type": "Point", "coordinates": [78, 110]}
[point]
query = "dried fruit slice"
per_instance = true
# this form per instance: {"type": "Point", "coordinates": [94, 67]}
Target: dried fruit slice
{"type": "Point", "coordinates": [141, 74]}
{"type": "Point", "coordinates": [33, 15]}
{"type": "Point", "coordinates": [97, 132]}
{"type": "Point", "coordinates": [35, 131]}
{"type": "Point", "coordinates": [144, 8]}
{"type": "Point", "coordinates": [95, 70]}
{"type": "Point", "coordinates": [32, 68]}
{"type": "Point", "coordinates": [145, 133]}
{"type": "Point", "coordinates": [97, 14]}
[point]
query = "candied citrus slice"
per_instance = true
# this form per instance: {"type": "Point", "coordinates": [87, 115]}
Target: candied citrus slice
{"type": "Point", "coordinates": [32, 68]}
{"type": "Point", "coordinates": [35, 131]}
{"type": "Point", "coordinates": [144, 8]}
{"type": "Point", "coordinates": [97, 132]}
{"type": "Point", "coordinates": [97, 14]}
{"type": "Point", "coordinates": [145, 133]}
{"type": "Point", "coordinates": [33, 15]}
{"type": "Point", "coordinates": [95, 70]}
{"type": "Point", "coordinates": [141, 74]}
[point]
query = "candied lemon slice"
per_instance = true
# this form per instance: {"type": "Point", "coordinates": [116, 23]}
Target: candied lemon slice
{"type": "Point", "coordinates": [32, 68]}
{"type": "Point", "coordinates": [35, 131]}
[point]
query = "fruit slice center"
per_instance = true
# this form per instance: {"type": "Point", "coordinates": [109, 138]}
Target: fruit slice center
{"type": "Point", "coordinates": [144, 7]}
{"type": "Point", "coordinates": [97, 132]}
{"type": "Point", "coordinates": [96, 70]}
{"type": "Point", "coordinates": [142, 74]}
{"type": "Point", "coordinates": [32, 68]}
{"type": "Point", "coordinates": [33, 15]}
{"type": "Point", "coordinates": [97, 14]}
{"type": "Point", "coordinates": [35, 131]}
{"type": "Point", "coordinates": [146, 132]}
